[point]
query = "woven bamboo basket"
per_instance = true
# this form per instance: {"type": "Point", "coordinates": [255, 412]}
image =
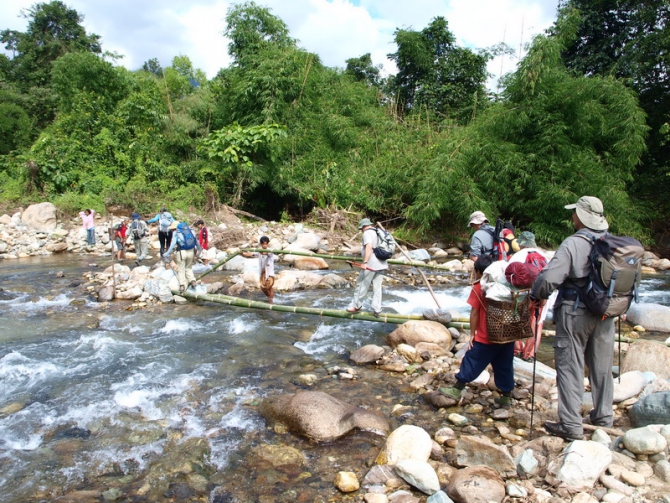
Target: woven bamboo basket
{"type": "Point", "coordinates": [508, 321]}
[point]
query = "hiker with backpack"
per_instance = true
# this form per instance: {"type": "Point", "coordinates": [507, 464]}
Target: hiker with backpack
{"type": "Point", "coordinates": [185, 244]}
{"type": "Point", "coordinates": [371, 268]}
{"type": "Point", "coordinates": [481, 351]}
{"type": "Point", "coordinates": [482, 242]}
{"type": "Point", "coordinates": [165, 220]}
{"type": "Point", "coordinates": [529, 253]}
{"type": "Point", "coordinates": [203, 238]}
{"type": "Point", "coordinates": [584, 336]}
{"type": "Point", "coordinates": [120, 232]}
{"type": "Point", "coordinates": [139, 232]}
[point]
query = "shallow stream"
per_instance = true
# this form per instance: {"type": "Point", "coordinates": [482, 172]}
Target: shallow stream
{"type": "Point", "coordinates": [160, 404]}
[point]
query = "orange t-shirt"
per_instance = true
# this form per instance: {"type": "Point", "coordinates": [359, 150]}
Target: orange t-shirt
{"type": "Point", "coordinates": [478, 301]}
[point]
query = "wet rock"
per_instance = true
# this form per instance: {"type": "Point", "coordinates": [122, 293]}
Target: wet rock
{"type": "Point", "coordinates": [180, 492]}
{"type": "Point", "coordinates": [476, 484]}
{"type": "Point", "coordinates": [473, 451]}
{"type": "Point", "coordinates": [130, 294]}
{"type": "Point", "coordinates": [412, 332]}
{"type": "Point", "coordinates": [644, 441]}
{"type": "Point", "coordinates": [105, 294]}
{"type": "Point", "coordinates": [40, 216]}
{"type": "Point", "coordinates": [381, 474]}
{"type": "Point", "coordinates": [375, 498]}
{"type": "Point", "coordinates": [280, 455]}
{"type": "Point", "coordinates": [647, 355]}
{"type": "Point", "coordinates": [457, 419]}
{"type": "Point", "coordinates": [159, 289]}
{"type": "Point", "coordinates": [406, 442]}
{"type": "Point", "coordinates": [652, 409]}
{"type": "Point", "coordinates": [422, 381]}
{"type": "Point", "coordinates": [583, 463]}
{"type": "Point", "coordinates": [367, 354]}
{"type": "Point", "coordinates": [12, 408]}
{"type": "Point", "coordinates": [629, 385]}
{"type": "Point", "coordinates": [408, 353]}
{"type": "Point", "coordinates": [319, 416]}
{"type": "Point", "coordinates": [221, 495]}
{"type": "Point", "coordinates": [73, 432]}
{"type": "Point", "coordinates": [418, 474]}
{"type": "Point", "coordinates": [81, 497]}
{"type": "Point", "coordinates": [333, 281]}
{"type": "Point", "coordinates": [346, 482]}
{"type": "Point", "coordinates": [444, 435]}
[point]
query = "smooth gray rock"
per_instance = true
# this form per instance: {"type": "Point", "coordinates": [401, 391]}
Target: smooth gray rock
{"type": "Point", "coordinates": [648, 356]}
{"type": "Point", "coordinates": [418, 474]}
{"type": "Point", "coordinates": [40, 216]}
{"type": "Point", "coordinates": [526, 464]}
{"type": "Point", "coordinates": [439, 497]}
{"type": "Point", "coordinates": [662, 470]}
{"type": "Point", "coordinates": [583, 463]}
{"type": "Point", "coordinates": [651, 316]}
{"type": "Point", "coordinates": [106, 293]}
{"type": "Point", "coordinates": [367, 354]}
{"type": "Point", "coordinates": [629, 385]}
{"type": "Point", "coordinates": [644, 441]}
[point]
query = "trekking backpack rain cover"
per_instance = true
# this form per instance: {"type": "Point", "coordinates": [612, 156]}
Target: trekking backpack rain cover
{"type": "Point", "coordinates": [614, 278]}
{"type": "Point", "coordinates": [385, 245]}
{"type": "Point", "coordinates": [164, 221]}
{"type": "Point", "coordinates": [189, 238]}
{"type": "Point", "coordinates": [139, 230]}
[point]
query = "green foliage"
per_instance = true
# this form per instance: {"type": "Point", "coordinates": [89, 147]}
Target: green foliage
{"type": "Point", "coordinates": [555, 138]}
{"type": "Point", "coordinates": [53, 30]}
{"type": "Point", "coordinates": [71, 203]}
{"type": "Point", "coordinates": [362, 70]}
{"type": "Point", "coordinates": [15, 127]}
{"type": "Point", "coordinates": [435, 74]}
{"type": "Point", "coordinates": [253, 29]}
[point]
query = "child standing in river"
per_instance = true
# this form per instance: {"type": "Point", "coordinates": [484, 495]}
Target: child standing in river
{"type": "Point", "coordinates": [266, 264]}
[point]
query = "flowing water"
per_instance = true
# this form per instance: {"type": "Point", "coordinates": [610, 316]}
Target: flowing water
{"type": "Point", "coordinates": [160, 404]}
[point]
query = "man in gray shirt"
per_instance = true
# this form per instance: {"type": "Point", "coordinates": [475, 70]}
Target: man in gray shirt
{"type": "Point", "coordinates": [482, 240]}
{"type": "Point", "coordinates": [581, 337]}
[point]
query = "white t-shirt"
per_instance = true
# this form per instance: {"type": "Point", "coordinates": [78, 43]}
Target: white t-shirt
{"type": "Point", "coordinates": [370, 236]}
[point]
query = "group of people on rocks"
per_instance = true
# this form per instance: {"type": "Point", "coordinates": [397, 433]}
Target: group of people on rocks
{"type": "Point", "coordinates": [582, 338]}
{"type": "Point", "coordinates": [173, 236]}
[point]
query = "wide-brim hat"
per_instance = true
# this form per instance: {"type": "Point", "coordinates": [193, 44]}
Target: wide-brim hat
{"type": "Point", "coordinates": [477, 218]}
{"type": "Point", "coordinates": [174, 225]}
{"type": "Point", "coordinates": [590, 212]}
{"type": "Point", "coordinates": [364, 222]}
{"type": "Point", "coordinates": [526, 239]}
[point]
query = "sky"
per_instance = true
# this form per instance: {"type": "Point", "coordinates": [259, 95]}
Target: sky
{"type": "Point", "coordinates": [336, 30]}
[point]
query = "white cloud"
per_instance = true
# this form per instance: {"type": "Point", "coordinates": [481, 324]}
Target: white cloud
{"type": "Point", "coordinates": [336, 30]}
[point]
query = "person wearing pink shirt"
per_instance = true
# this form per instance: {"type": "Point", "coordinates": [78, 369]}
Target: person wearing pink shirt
{"type": "Point", "coordinates": [88, 219]}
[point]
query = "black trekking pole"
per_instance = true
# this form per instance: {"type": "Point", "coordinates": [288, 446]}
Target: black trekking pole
{"type": "Point", "coordinates": [532, 396]}
{"type": "Point", "coordinates": [619, 323]}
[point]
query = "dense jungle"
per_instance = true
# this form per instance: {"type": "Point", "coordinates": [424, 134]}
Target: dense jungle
{"type": "Point", "coordinates": [280, 135]}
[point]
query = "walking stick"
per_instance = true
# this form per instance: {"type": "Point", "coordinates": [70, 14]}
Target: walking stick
{"type": "Point", "coordinates": [532, 396]}
{"type": "Point", "coordinates": [619, 349]}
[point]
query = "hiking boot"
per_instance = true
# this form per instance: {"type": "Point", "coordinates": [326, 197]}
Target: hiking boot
{"type": "Point", "coordinates": [588, 420]}
{"type": "Point", "coordinates": [503, 401]}
{"type": "Point", "coordinates": [377, 313]}
{"type": "Point", "coordinates": [452, 392]}
{"type": "Point", "coordinates": [193, 284]}
{"type": "Point", "coordinates": [182, 288]}
{"type": "Point", "coordinates": [558, 430]}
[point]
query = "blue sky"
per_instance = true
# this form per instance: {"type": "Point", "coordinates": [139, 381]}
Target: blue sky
{"type": "Point", "coordinates": [334, 29]}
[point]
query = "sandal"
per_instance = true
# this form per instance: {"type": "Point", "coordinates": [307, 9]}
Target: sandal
{"type": "Point", "coordinates": [353, 309]}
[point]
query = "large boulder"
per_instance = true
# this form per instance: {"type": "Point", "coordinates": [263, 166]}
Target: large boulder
{"type": "Point", "coordinates": [40, 216]}
{"type": "Point", "coordinates": [476, 484]}
{"type": "Point", "coordinates": [367, 354]}
{"type": "Point", "coordinates": [644, 441]}
{"type": "Point", "coordinates": [473, 451]}
{"type": "Point", "coordinates": [319, 416]}
{"type": "Point", "coordinates": [652, 409]}
{"type": "Point", "coordinates": [646, 355]}
{"type": "Point", "coordinates": [309, 263]}
{"type": "Point", "coordinates": [628, 385]}
{"type": "Point", "coordinates": [651, 316]}
{"type": "Point", "coordinates": [414, 331]}
{"type": "Point", "coordinates": [158, 288]}
{"type": "Point", "coordinates": [583, 463]}
{"type": "Point", "coordinates": [59, 247]}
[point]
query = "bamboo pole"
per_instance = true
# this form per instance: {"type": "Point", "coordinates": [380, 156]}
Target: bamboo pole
{"type": "Point", "coordinates": [323, 256]}
{"type": "Point", "coordinates": [398, 319]}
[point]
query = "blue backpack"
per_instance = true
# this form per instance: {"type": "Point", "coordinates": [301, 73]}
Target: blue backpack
{"type": "Point", "coordinates": [187, 234]}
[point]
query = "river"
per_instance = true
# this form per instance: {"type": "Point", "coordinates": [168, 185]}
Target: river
{"type": "Point", "coordinates": [160, 404]}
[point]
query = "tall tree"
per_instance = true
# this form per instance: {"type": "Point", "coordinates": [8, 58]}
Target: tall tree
{"type": "Point", "coordinates": [630, 40]}
{"type": "Point", "coordinates": [433, 72]}
{"type": "Point", "coordinates": [363, 70]}
{"type": "Point", "coordinates": [54, 29]}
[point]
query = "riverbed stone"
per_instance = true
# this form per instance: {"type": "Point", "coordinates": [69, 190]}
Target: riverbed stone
{"type": "Point", "coordinates": [57, 247]}
{"type": "Point", "coordinates": [319, 416]}
{"type": "Point", "coordinates": [583, 463]}
{"type": "Point", "coordinates": [434, 350]}
{"type": "Point", "coordinates": [651, 316]}
{"type": "Point", "coordinates": [41, 216]}
{"type": "Point", "coordinates": [375, 498]}
{"type": "Point", "coordinates": [333, 281]}
{"type": "Point", "coordinates": [439, 497]}
{"type": "Point", "coordinates": [648, 355]}
{"type": "Point", "coordinates": [381, 475]}
{"type": "Point", "coordinates": [418, 474]}
{"type": "Point", "coordinates": [408, 353]}
{"type": "Point", "coordinates": [367, 354]}
{"type": "Point", "coordinates": [130, 294]}
{"type": "Point", "coordinates": [414, 331]}
{"type": "Point", "coordinates": [628, 385]}
{"type": "Point", "coordinates": [406, 442]}
{"type": "Point", "coordinates": [105, 294]}
{"type": "Point", "coordinates": [309, 263]}
{"type": "Point", "coordinates": [652, 409]}
{"type": "Point", "coordinates": [476, 484]}
{"type": "Point", "coordinates": [662, 470]}
{"type": "Point", "coordinates": [403, 496]}
{"type": "Point", "coordinates": [527, 464]}
{"type": "Point", "coordinates": [644, 441]}
{"type": "Point", "coordinates": [439, 400]}
{"type": "Point", "coordinates": [346, 482]}
{"type": "Point", "coordinates": [473, 451]}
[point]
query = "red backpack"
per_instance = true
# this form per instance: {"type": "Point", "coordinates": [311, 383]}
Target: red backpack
{"type": "Point", "coordinates": [536, 259]}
